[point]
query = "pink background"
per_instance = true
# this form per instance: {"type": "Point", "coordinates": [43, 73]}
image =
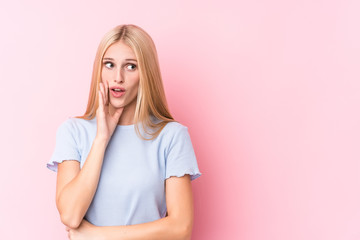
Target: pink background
{"type": "Point", "coordinates": [270, 92]}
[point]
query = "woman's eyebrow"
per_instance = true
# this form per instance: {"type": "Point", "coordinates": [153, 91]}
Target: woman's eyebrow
{"type": "Point", "coordinates": [128, 59]}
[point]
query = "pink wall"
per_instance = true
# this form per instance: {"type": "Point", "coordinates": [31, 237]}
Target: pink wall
{"type": "Point", "coordinates": [270, 92]}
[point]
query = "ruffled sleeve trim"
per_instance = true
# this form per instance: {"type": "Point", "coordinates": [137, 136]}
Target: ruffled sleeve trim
{"type": "Point", "coordinates": [53, 165]}
{"type": "Point", "coordinates": [193, 175]}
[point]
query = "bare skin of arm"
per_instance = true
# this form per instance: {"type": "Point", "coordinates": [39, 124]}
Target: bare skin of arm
{"type": "Point", "coordinates": [76, 188]}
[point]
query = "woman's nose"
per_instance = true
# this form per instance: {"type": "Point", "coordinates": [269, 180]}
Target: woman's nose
{"type": "Point", "coordinates": [119, 77]}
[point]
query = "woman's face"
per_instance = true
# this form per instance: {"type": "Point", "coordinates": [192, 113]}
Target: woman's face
{"type": "Point", "coordinates": [120, 70]}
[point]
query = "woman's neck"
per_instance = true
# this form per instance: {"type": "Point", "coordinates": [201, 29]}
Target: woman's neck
{"type": "Point", "coordinates": [127, 116]}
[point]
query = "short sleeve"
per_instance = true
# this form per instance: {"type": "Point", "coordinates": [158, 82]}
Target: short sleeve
{"type": "Point", "coordinates": [181, 159]}
{"type": "Point", "coordinates": [65, 147]}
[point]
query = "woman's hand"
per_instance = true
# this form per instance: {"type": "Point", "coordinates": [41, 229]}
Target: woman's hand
{"type": "Point", "coordinates": [106, 123]}
{"type": "Point", "coordinates": [85, 231]}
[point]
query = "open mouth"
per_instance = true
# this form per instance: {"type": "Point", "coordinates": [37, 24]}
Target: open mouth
{"type": "Point", "coordinates": [117, 89]}
{"type": "Point", "coordinates": [117, 92]}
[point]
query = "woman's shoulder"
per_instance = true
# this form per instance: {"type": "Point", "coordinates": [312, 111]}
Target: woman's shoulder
{"type": "Point", "coordinates": [78, 124]}
{"type": "Point", "coordinates": [175, 125]}
{"type": "Point", "coordinates": [173, 128]}
{"type": "Point", "coordinates": [170, 127]}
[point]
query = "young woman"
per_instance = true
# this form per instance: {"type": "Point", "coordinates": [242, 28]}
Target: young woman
{"type": "Point", "coordinates": [129, 164]}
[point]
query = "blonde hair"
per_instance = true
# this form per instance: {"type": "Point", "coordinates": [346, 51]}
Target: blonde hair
{"type": "Point", "coordinates": [151, 100]}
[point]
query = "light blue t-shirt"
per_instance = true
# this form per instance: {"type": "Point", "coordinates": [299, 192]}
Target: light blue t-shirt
{"type": "Point", "coordinates": [131, 187]}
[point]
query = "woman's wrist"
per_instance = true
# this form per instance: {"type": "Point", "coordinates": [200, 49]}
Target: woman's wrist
{"type": "Point", "coordinates": [98, 233]}
{"type": "Point", "coordinates": [101, 140]}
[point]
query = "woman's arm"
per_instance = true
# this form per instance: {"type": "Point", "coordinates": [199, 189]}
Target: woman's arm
{"type": "Point", "coordinates": [176, 226]}
{"type": "Point", "coordinates": [76, 188]}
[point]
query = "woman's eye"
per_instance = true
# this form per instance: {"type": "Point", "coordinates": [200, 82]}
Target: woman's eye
{"type": "Point", "coordinates": [108, 64]}
{"type": "Point", "coordinates": [131, 66]}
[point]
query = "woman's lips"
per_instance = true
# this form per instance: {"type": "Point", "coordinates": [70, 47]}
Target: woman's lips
{"type": "Point", "coordinates": [117, 94]}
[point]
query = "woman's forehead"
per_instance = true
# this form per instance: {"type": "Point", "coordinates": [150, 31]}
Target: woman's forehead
{"type": "Point", "coordinates": [119, 51]}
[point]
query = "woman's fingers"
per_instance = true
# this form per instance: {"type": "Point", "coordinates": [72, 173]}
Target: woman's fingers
{"type": "Point", "coordinates": [68, 230]}
{"type": "Point", "coordinates": [107, 93]}
{"type": "Point", "coordinates": [103, 92]}
{"type": "Point", "coordinates": [101, 104]}
{"type": "Point", "coordinates": [105, 101]}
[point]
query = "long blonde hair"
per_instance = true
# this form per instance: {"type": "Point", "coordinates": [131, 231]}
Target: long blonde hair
{"type": "Point", "coordinates": [151, 100]}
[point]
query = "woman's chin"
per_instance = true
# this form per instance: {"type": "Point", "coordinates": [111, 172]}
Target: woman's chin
{"type": "Point", "coordinates": [116, 105]}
